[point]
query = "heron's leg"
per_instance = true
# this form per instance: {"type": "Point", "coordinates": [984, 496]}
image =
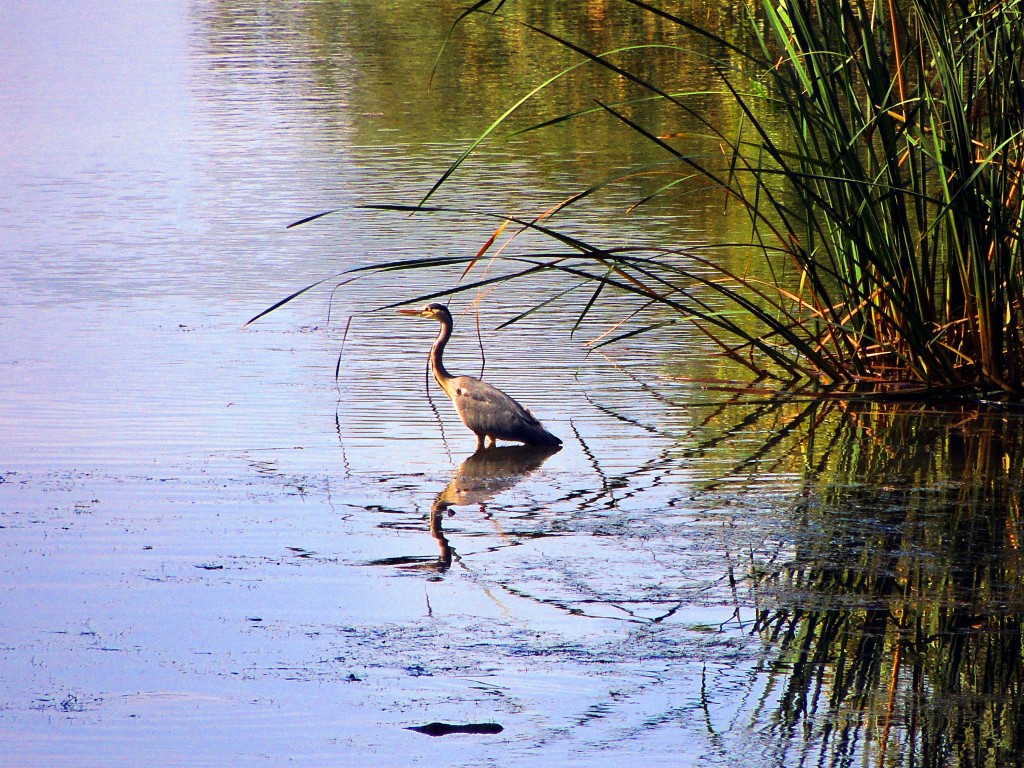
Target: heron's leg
{"type": "Point", "coordinates": [491, 442]}
{"type": "Point", "coordinates": [480, 442]}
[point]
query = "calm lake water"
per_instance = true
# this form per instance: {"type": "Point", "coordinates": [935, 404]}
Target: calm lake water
{"type": "Point", "coordinates": [215, 552]}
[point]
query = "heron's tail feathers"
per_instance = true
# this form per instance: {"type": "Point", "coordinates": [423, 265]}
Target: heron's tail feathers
{"type": "Point", "coordinates": [542, 437]}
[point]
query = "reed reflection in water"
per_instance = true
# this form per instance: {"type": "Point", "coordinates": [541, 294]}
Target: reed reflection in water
{"type": "Point", "coordinates": [895, 633]}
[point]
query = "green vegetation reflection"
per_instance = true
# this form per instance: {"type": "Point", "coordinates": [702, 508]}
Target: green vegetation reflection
{"type": "Point", "coordinates": [895, 633]}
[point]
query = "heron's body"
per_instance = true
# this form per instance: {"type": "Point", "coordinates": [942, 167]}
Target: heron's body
{"type": "Point", "coordinates": [488, 412]}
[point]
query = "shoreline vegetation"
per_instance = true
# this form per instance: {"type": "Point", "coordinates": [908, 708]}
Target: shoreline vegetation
{"type": "Point", "coordinates": [878, 155]}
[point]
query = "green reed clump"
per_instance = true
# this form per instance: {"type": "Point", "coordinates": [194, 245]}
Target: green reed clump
{"type": "Point", "coordinates": [893, 187]}
{"type": "Point", "coordinates": [906, 159]}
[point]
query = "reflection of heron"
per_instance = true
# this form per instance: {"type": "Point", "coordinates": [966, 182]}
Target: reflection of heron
{"type": "Point", "coordinates": [444, 558]}
{"type": "Point", "coordinates": [478, 478]}
{"type": "Point", "coordinates": [483, 475]}
{"type": "Point", "coordinates": [486, 410]}
{"type": "Point", "coordinates": [487, 473]}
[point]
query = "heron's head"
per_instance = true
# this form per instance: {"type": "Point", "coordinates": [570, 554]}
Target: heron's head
{"type": "Point", "coordinates": [434, 311]}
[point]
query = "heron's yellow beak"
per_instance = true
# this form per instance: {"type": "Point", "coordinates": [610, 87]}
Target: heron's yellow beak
{"type": "Point", "coordinates": [414, 312]}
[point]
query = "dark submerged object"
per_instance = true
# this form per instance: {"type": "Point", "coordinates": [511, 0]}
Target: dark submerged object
{"type": "Point", "coordinates": [486, 410]}
{"type": "Point", "coordinates": [444, 729]}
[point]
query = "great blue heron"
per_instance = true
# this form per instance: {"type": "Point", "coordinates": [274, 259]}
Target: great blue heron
{"type": "Point", "coordinates": [486, 410]}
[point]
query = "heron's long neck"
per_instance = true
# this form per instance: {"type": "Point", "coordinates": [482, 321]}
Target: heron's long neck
{"type": "Point", "coordinates": [441, 375]}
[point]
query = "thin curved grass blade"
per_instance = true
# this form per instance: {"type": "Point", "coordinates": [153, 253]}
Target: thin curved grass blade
{"type": "Point", "coordinates": [314, 217]}
{"type": "Point", "coordinates": [284, 301]}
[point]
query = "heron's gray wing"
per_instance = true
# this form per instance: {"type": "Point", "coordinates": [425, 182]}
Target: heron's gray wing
{"type": "Point", "coordinates": [488, 411]}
